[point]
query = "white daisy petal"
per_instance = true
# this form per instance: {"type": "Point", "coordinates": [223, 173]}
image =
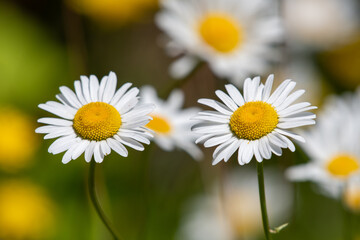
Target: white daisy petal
{"type": "Point", "coordinates": [98, 156]}
{"type": "Point", "coordinates": [70, 96]}
{"type": "Point", "coordinates": [89, 151]}
{"type": "Point", "coordinates": [79, 92]}
{"type": "Point", "coordinates": [110, 87]}
{"type": "Point", "coordinates": [85, 82]}
{"type": "Point", "coordinates": [216, 105]}
{"type": "Point", "coordinates": [235, 94]}
{"type": "Point", "coordinates": [117, 147]}
{"type": "Point", "coordinates": [94, 88]}
{"type": "Point", "coordinates": [55, 121]}
{"type": "Point", "coordinates": [226, 99]}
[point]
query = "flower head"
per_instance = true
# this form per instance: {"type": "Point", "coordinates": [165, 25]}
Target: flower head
{"type": "Point", "coordinates": [170, 123]}
{"type": "Point", "coordinates": [234, 36]}
{"type": "Point", "coordinates": [333, 150]}
{"type": "Point", "coordinates": [26, 212]}
{"type": "Point", "coordinates": [96, 119]}
{"type": "Point", "coordinates": [255, 123]}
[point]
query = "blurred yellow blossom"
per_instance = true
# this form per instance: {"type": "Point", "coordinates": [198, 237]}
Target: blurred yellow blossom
{"type": "Point", "coordinates": [343, 63]}
{"type": "Point", "coordinates": [25, 211]}
{"type": "Point", "coordinates": [113, 12]}
{"type": "Point", "coordinates": [18, 140]}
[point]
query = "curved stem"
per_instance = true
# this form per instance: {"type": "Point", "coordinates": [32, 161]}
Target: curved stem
{"type": "Point", "coordinates": [96, 203]}
{"type": "Point", "coordinates": [265, 220]}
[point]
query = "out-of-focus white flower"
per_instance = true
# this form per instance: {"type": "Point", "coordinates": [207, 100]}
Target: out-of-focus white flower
{"type": "Point", "coordinates": [170, 123]}
{"type": "Point", "coordinates": [333, 147]}
{"type": "Point", "coordinates": [352, 194]}
{"type": "Point", "coordinates": [320, 23]}
{"type": "Point", "coordinates": [96, 119]}
{"type": "Point", "coordinates": [255, 123]}
{"type": "Point", "coordinates": [235, 37]}
{"type": "Point", "coordinates": [235, 212]}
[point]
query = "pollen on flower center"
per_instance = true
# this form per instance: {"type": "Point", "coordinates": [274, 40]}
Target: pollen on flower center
{"type": "Point", "coordinates": [97, 121]}
{"type": "Point", "coordinates": [343, 165]}
{"type": "Point", "coordinates": [254, 120]}
{"type": "Point", "coordinates": [159, 124]}
{"type": "Point", "coordinates": [221, 32]}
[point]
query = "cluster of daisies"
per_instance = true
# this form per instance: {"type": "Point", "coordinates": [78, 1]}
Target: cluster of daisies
{"type": "Point", "coordinates": [237, 38]}
{"type": "Point", "coordinates": [97, 118]}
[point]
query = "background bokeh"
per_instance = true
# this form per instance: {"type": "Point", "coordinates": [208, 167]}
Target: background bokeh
{"type": "Point", "coordinates": [46, 44]}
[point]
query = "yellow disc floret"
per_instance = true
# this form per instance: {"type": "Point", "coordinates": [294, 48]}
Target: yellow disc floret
{"type": "Point", "coordinates": [221, 32]}
{"type": "Point", "coordinates": [159, 124]}
{"type": "Point", "coordinates": [343, 165]}
{"type": "Point", "coordinates": [254, 120]}
{"type": "Point", "coordinates": [97, 121]}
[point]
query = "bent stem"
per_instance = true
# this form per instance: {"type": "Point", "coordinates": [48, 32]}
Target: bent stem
{"type": "Point", "coordinates": [265, 220]}
{"type": "Point", "coordinates": [96, 203]}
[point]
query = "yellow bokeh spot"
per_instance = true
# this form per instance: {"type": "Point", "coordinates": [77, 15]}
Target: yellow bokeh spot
{"type": "Point", "coordinates": [343, 165]}
{"type": "Point", "coordinates": [159, 124]}
{"type": "Point", "coordinates": [114, 12]}
{"type": "Point", "coordinates": [18, 141]}
{"type": "Point", "coordinates": [97, 121]}
{"type": "Point", "coordinates": [25, 211]}
{"type": "Point", "coordinates": [221, 32]}
{"type": "Point", "coordinates": [254, 120]}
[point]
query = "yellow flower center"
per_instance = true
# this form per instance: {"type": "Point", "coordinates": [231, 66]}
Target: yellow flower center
{"type": "Point", "coordinates": [159, 124]}
{"type": "Point", "coordinates": [221, 32]}
{"type": "Point", "coordinates": [343, 165]}
{"type": "Point", "coordinates": [97, 121]}
{"type": "Point", "coordinates": [254, 120]}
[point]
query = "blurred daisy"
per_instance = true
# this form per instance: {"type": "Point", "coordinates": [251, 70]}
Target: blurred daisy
{"type": "Point", "coordinates": [235, 213]}
{"type": "Point", "coordinates": [320, 23]}
{"type": "Point", "coordinates": [26, 212]}
{"type": "Point", "coordinates": [96, 119]}
{"type": "Point", "coordinates": [18, 142]}
{"type": "Point", "coordinates": [256, 123]}
{"type": "Point", "coordinates": [170, 123]}
{"type": "Point", "coordinates": [334, 152]}
{"type": "Point", "coordinates": [352, 194]}
{"type": "Point", "coordinates": [234, 36]}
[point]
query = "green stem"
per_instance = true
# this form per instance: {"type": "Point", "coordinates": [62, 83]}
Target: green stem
{"type": "Point", "coordinates": [265, 220]}
{"type": "Point", "coordinates": [96, 203]}
{"type": "Point", "coordinates": [347, 223]}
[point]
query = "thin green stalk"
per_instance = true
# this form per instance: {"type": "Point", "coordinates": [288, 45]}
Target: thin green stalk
{"type": "Point", "coordinates": [347, 223]}
{"type": "Point", "coordinates": [96, 203]}
{"type": "Point", "coordinates": [265, 220]}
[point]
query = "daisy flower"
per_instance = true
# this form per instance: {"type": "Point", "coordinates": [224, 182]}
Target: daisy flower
{"type": "Point", "coordinates": [333, 151]}
{"type": "Point", "coordinates": [96, 119]}
{"type": "Point", "coordinates": [234, 36]}
{"type": "Point", "coordinates": [170, 123]}
{"type": "Point", "coordinates": [255, 123]}
{"type": "Point", "coordinates": [320, 24]}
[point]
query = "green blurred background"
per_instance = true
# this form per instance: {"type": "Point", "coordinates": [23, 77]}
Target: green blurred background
{"type": "Point", "coordinates": [46, 44]}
